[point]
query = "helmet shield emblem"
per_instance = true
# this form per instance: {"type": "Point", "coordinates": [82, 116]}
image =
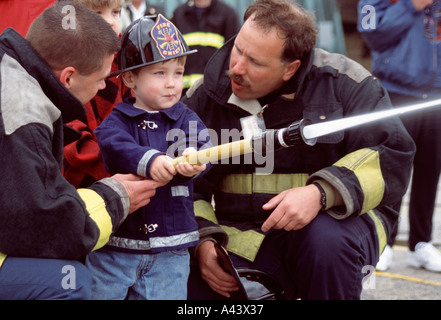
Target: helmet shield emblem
{"type": "Point", "coordinates": [166, 37]}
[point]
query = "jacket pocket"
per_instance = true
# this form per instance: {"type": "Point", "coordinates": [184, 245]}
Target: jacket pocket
{"type": "Point", "coordinates": [180, 218]}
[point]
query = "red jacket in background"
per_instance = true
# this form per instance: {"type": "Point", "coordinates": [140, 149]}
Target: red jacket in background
{"type": "Point", "coordinates": [19, 14]}
{"type": "Point", "coordinates": [83, 164]}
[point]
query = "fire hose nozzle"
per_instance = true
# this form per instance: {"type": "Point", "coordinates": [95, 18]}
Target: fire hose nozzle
{"type": "Point", "coordinates": [273, 140]}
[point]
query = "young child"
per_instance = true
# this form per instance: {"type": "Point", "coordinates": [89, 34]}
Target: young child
{"type": "Point", "coordinates": [83, 164]}
{"type": "Point", "coordinates": [148, 257]}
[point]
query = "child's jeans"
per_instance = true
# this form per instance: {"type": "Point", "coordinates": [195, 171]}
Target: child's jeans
{"type": "Point", "coordinates": [119, 276]}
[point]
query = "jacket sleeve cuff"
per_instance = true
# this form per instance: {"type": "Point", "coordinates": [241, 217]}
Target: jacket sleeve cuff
{"type": "Point", "coordinates": [121, 192]}
{"type": "Point", "coordinates": [338, 202]}
{"type": "Point", "coordinates": [146, 161]}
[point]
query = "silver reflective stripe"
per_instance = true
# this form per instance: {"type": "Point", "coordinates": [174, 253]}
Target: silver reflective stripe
{"type": "Point", "coordinates": [142, 165]}
{"type": "Point", "coordinates": [164, 242]}
{"type": "Point", "coordinates": [22, 86]}
{"type": "Point", "coordinates": [122, 193]}
{"type": "Point", "coordinates": [124, 243]}
{"type": "Point", "coordinates": [180, 191]}
{"type": "Point", "coordinates": [154, 243]}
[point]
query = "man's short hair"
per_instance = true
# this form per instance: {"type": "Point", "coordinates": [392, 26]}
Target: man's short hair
{"type": "Point", "coordinates": [296, 24]}
{"type": "Point", "coordinates": [69, 34]}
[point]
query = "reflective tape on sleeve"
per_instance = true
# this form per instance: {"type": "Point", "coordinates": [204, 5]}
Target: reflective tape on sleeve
{"type": "Point", "coordinates": [96, 207]}
{"type": "Point", "coordinates": [2, 259]}
{"type": "Point", "coordinates": [365, 164]}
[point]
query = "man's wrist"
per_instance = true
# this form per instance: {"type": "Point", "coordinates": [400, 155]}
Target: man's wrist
{"type": "Point", "coordinates": [322, 195]}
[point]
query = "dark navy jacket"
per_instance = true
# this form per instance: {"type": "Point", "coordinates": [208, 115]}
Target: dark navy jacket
{"type": "Point", "coordinates": [130, 139]}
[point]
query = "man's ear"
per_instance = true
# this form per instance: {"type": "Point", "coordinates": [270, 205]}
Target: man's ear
{"type": "Point", "coordinates": [66, 76]}
{"type": "Point", "coordinates": [291, 69]}
{"type": "Point", "coordinates": [129, 79]}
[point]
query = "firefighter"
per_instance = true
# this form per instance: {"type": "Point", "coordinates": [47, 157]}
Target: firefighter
{"type": "Point", "coordinates": [318, 220]}
{"type": "Point", "coordinates": [47, 225]}
{"type": "Point", "coordinates": [206, 26]}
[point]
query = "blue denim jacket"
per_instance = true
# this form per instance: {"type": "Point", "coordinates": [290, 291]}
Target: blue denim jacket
{"type": "Point", "coordinates": [130, 139]}
{"type": "Point", "coordinates": [404, 44]}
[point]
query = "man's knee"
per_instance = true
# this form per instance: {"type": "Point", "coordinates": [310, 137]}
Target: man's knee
{"type": "Point", "coordinates": [77, 282]}
{"type": "Point", "coordinates": [44, 279]}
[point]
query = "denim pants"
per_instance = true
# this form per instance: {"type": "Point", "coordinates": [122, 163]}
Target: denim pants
{"type": "Point", "coordinates": [118, 276]}
{"type": "Point", "coordinates": [44, 279]}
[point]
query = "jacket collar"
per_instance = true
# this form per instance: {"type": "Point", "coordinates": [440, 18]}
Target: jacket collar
{"type": "Point", "coordinates": [14, 45]}
{"type": "Point", "coordinates": [127, 108]}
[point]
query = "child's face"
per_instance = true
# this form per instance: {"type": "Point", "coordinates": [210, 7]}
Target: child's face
{"type": "Point", "coordinates": [158, 86]}
{"type": "Point", "coordinates": [112, 16]}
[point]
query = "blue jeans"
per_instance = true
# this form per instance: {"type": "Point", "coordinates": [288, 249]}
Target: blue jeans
{"type": "Point", "coordinates": [44, 279]}
{"type": "Point", "coordinates": [119, 276]}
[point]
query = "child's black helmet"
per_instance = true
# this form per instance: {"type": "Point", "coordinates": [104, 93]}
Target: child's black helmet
{"type": "Point", "coordinates": [149, 40]}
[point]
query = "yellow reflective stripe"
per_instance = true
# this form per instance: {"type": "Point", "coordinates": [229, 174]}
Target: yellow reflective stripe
{"type": "Point", "coordinates": [255, 183]}
{"type": "Point", "coordinates": [365, 164]}
{"type": "Point", "coordinates": [191, 79]}
{"type": "Point", "coordinates": [205, 39]}
{"type": "Point", "coordinates": [381, 233]}
{"type": "Point", "coordinates": [244, 243]}
{"type": "Point", "coordinates": [205, 210]}
{"type": "Point", "coordinates": [96, 207]}
{"type": "Point", "coordinates": [2, 258]}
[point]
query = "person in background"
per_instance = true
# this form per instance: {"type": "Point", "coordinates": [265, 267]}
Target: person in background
{"type": "Point", "coordinates": [407, 33]}
{"type": "Point", "coordinates": [47, 225]}
{"type": "Point", "coordinates": [134, 9]}
{"type": "Point", "coordinates": [206, 26]}
{"type": "Point", "coordinates": [82, 164]}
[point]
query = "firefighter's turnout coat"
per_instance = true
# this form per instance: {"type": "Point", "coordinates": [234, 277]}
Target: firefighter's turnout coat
{"type": "Point", "coordinates": [205, 32]}
{"type": "Point", "coordinates": [41, 214]}
{"type": "Point", "coordinates": [368, 165]}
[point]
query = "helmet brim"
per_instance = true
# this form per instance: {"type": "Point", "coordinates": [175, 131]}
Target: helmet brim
{"type": "Point", "coordinates": [119, 72]}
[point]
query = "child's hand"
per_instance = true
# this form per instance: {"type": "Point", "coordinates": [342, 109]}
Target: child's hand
{"type": "Point", "coordinates": [162, 169]}
{"type": "Point", "coordinates": [188, 170]}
